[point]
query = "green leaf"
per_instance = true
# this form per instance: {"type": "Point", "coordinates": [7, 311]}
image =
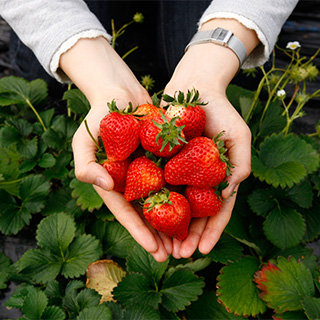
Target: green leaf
{"type": "Point", "coordinates": [82, 251]}
{"type": "Point", "coordinates": [38, 91]}
{"type": "Point", "coordinates": [28, 148]}
{"type": "Point", "coordinates": [5, 264]}
{"type": "Point", "coordinates": [77, 101]}
{"type": "Point", "coordinates": [140, 312]}
{"type": "Point", "coordinates": [301, 194]}
{"type": "Point", "coordinates": [56, 232]}
{"type": "Point", "coordinates": [53, 312]}
{"type": "Point", "coordinates": [236, 289]}
{"type": "Point", "coordinates": [312, 220]}
{"type": "Point", "coordinates": [208, 307]}
{"type": "Point", "coordinates": [119, 241]}
{"type": "Point", "coordinates": [245, 103]}
{"type": "Point", "coordinates": [195, 266]}
{"type": "Point", "coordinates": [284, 284]}
{"type": "Point", "coordinates": [262, 201]}
{"type": "Point", "coordinates": [47, 160]}
{"type": "Point", "coordinates": [39, 264]}
{"type": "Point", "coordinates": [57, 202]}
{"type": "Point", "coordinates": [87, 298]}
{"type": "Point", "coordinates": [59, 170]}
{"type": "Point", "coordinates": [9, 136]}
{"type": "Point", "coordinates": [70, 301]}
{"type": "Point", "coordinates": [15, 85]}
{"type": "Point", "coordinates": [226, 250]}
{"type": "Point", "coordinates": [86, 196]}
{"type": "Point", "coordinates": [136, 289]}
{"type": "Point", "coordinates": [53, 139]}
{"type": "Point", "coordinates": [180, 289]}
{"type": "Point", "coordinates": [34, 304]}
{"type": "Point", "coordinates": [101, 312]}
{"type": "Point", "coordinates": [9, 170]}
{"type": "Point", "coordinates": [141, 261]}
{"type": "Point", "coordinates": [311, 306]}
{"type": "Point", "coordinates": [273, 120]}
{"type": "Point", "coordinates": [284, 160]}
{"type": "Point", "coordinates": [46, 117]}
{"type": "Point", "coordinates": [33, 191]}
{"type": "Point", "coordinates": [13, 219]}
{"type": "Point", "coordinates": [20, 293]}
{"type": "Point", "coordinates": [284, 227]}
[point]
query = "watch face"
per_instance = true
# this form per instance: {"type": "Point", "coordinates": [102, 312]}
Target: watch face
{"type": "Point", "coordinates": [222, 35]}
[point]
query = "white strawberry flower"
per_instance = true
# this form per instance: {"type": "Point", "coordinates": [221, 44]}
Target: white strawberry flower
{"type": "Point", "coordinates": [293, 45]}
{"type": "Point", "coordinates": [281, 94]}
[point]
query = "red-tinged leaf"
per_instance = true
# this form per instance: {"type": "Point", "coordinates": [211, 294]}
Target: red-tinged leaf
{"type": "Point", "coordinates": [284, 284]}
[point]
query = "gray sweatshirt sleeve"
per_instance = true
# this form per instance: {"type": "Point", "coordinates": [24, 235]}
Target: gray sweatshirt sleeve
{"type": "Point", "coordinates": [266, 17]}
{"type": "Point", "coordinates": [51, 27]}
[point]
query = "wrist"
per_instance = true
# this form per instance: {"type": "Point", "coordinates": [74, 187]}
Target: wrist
{"type": "Point", "coordinates": [247, 36]}
{"type": "Point", "coordinates": [99, 72]}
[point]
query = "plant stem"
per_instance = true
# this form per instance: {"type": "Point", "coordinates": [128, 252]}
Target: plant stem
{"type": "Point", "coordinates": [12, 181]}
{"type": "Point", "coordinates": [130, 51]}
{"type": "Point", "coordinates": [90, 134]}
{"type": "Point", "coordinates": [68, 105]}
{"type": "Point", "coordinates": [36, 113]}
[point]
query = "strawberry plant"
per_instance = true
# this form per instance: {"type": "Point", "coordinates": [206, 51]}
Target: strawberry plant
{"type": "Point", "coordinates": [85, 265]}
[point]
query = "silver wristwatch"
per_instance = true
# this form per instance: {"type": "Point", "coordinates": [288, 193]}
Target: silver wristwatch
{"type": "Point", "coordinates": [221, 37]}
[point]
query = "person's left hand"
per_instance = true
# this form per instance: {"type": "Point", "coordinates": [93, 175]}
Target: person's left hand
{"type": "Point", "coordinates": [201, 69]}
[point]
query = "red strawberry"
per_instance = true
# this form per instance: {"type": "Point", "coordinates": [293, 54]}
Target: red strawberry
{"type": "Point", "coordinates": [189, 112]}
{"type": "Point", "coordinates": [168, 212]}
{"type": "Point", "coordinates": [204, 202]}
{"type": "Point", "coordinates": [143, 176]}
{"type": "Point", "coordinates": [118, 172]}
{"type": "Point", "coordinates": [161, 137]}
{"type": "Point", "coordinates": [147, 112]}
{"type": "Point", "coordinates": [120, 132]}
{"type": "Point", "coordinates": [201, 163]}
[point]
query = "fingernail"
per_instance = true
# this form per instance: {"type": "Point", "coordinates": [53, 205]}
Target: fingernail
{"type": "Point", "coordinates": [100, 182]}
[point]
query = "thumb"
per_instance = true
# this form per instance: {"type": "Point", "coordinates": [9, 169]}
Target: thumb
{"type": "Point", "coordinates": [93, 173]}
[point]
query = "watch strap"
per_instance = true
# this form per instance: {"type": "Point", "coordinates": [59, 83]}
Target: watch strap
{"type": "Point", "coordinates": [221, 37]}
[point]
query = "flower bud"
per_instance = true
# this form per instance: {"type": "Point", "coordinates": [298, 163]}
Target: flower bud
{"type": "Point", "coordinates": [138, 17]}
{"type": "Point", "coordinates": [301, 98]}
{"type": "Point", "coordinates": [298, 74]}
{"type": "Point", "coordinates": [312, 71]}
{"type": "Point", "coordinates": [281, 94]}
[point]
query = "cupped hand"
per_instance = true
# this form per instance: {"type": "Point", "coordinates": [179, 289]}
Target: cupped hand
{"type": "Point", "coordinates": [209, 69]}
{"type": "Point", "coordinates": [102, 77]}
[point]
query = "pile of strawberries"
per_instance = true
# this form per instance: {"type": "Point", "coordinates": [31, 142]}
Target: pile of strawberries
{"type": "Point", "coordinates": [159, 157]}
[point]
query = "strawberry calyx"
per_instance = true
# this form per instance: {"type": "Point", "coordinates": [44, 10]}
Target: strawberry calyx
{"type": "Point", "coordinates": [157, 160]}
{"type": "Point", "coordinates": [222, 151]}
{"type": "Point", "coordinates": [191, 99]}
{"type": "Point", "coordinates": [170, 133]}
{"type": "Point", "coordinates": [159, 198]}
{"type": "Point", "coordinates": [129, 110]}
{"type": "Point", "coordinates": [218, 189]}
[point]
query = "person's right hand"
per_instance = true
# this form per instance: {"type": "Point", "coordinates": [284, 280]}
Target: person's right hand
{"type": "Point", "coordinates": [102, 76]}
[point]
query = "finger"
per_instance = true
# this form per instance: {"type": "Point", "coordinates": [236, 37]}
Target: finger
{"type": "Point", "coordinates": [215, 226]}
{"type": "Point", "coordinates": [190, 244]}
{"type": "Point", "coordinates": [130, 219]}
{"type": "Point", "coordinates": [239, 153]}
{"type": "Point", "coordinates": [86, 168]}
{"type": "Point", "coordinates": [176, 244]}
{"type": "Point", "coordinates": [167, 242]}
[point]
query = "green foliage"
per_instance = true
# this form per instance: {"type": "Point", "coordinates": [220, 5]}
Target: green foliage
{"type": "Point", "coordinates": [261, 266]}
